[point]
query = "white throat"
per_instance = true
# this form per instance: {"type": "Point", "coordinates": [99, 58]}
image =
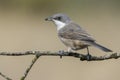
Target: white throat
{"type": "Point", "coordinates": [59, 24]}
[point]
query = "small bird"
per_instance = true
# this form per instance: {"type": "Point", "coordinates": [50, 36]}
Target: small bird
{"type": "Point", "coordinates": [73, 35]}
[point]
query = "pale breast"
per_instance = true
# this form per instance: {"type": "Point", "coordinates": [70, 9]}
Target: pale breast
{"type": "Point", "coordinates": [74, 44]}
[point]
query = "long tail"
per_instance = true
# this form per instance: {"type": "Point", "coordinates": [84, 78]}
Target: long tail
{"type": "Point", "coordinates": [101, 47]}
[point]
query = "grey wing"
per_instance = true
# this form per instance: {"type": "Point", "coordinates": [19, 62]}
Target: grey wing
{"type": "Point", "coordinates": [75, 32]}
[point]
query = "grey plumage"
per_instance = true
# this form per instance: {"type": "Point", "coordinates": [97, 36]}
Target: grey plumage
{"type": "Point", "coordinates": [101, 47]}
{"type": "Point", "coordinates": [75, 32]}
{"type": "Point", "coordinates": [72, 35]}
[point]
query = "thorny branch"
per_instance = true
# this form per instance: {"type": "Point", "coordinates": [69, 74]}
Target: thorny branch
{"type": "Point", "coordinates": [37, 54]}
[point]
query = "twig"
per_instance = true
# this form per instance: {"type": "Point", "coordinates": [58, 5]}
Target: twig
{"type": "Point", "coordinates": [4, 76]}
{"type": "Point", "coordinates": [82, 57]}
{"type": "Point", "coordinates": [37, 54]}
{"type": "Point", "coordinates": [29, 68]}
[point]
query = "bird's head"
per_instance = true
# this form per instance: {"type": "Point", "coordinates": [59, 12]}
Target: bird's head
{"type": "Point", "coordinates": [59, 19]}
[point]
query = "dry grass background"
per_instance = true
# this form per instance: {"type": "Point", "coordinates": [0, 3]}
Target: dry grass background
{"type": "Point", "coordinates": [23, 30]}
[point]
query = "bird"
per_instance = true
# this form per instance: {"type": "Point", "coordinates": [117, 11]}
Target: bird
{"type": "Point", "coordinates": [73, 35]}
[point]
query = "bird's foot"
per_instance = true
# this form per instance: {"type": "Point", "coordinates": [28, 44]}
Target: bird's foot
{"type": "Point", "coordinates": [88, 57]}
{"type": "Point", "coordinates": [61, 52]}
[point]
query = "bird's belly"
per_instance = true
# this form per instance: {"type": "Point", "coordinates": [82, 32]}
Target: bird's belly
{"type": "Point", "coordinates": [74, 44]}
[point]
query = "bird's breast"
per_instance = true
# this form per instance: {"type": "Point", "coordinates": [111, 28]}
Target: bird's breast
{"type": "Point", "coordinates": [74, 44]}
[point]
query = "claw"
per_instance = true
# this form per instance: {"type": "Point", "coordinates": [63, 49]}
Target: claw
{"type": "Point", "coordinates": [88, 56]}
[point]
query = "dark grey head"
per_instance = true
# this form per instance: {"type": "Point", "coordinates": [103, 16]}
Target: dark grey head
{"type": "Point", "coordinates": [59, 17]}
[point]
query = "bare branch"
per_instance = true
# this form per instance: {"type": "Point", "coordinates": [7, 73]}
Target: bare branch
{"type": "Point", "coordinates": [37, 54]}
{"type": "Point", "coordinates": [29, 68]}
{"type": "Point", "coordinates": [4, 76]}
{"type": "Point", "coordinates": [82, 57]}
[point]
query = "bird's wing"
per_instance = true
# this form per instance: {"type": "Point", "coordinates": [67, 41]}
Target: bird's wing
{"type": "Point", "coordinates": [75, 32]}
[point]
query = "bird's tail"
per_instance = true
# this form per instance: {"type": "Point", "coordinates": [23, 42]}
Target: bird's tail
{"type": "Point", "coordinates": [101, 47]}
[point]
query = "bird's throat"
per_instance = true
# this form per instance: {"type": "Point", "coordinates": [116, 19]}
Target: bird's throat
{"type": "Point", "coordinates": [59, 24]}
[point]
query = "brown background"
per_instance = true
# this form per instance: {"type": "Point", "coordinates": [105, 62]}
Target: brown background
{"type": "Point", "coordinates": [22, 28]}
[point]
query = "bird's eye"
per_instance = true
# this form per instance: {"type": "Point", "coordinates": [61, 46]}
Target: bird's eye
{"type": "Point", "coordinates": [58, 18]}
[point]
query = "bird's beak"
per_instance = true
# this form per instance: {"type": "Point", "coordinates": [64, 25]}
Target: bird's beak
{"type": "Point", "coordinates": [49, 19]}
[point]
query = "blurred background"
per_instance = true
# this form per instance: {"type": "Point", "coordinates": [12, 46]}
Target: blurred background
{"type": "Point", "coordinates": [23, 28]}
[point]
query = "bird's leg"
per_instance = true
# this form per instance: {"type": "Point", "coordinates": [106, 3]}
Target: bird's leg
{"type": "Point", "coordinates": [88, 54]}
{"type": "Point", "coordinates": [88, 51]}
